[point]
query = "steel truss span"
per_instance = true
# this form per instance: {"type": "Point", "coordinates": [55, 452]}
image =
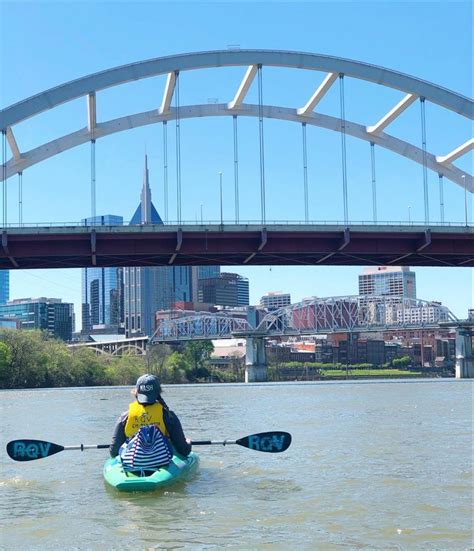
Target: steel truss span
{"type": "Point", "coordinates": [353, 314]}
{"type": "Point", "coordinates": [300, 245]}
{"type": "Point", "coordinates": [198, 327]}
{"type": "Point", "coordinates": [90, 85]}
{"type": "Point", "coordinates": [346, 314]}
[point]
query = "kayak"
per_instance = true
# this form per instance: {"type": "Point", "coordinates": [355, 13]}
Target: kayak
{"type": "Point", "coordinates": [179, 467]}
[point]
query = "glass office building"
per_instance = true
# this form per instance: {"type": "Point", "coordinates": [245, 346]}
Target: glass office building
{"type": "Point", "coordinates": [205, 272]}
{"type": "Point", "coordinates": [46, 314]}
{"type": "Point", "coordinates": [4, 286]}
{"type": "Point", "coordinates": [225, 290]}
{"type": "Point", "coordinates": [101, 287]}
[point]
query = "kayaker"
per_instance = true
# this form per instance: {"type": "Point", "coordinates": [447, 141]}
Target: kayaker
{"type": "Point", "coordinates": [149, 408]}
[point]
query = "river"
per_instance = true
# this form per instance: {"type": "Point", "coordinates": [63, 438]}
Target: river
{"type": "Point", "coordinates": [373, 465]}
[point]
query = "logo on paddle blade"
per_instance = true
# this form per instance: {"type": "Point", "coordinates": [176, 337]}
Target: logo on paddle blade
{"type": "Point", "coordinates": [275, 442]}
{"type": "Point", "coordinates": [31, 450]}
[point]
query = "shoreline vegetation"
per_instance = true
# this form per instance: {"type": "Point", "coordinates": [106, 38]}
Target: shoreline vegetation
{"type": "Point", "coordinates": [30, 359]}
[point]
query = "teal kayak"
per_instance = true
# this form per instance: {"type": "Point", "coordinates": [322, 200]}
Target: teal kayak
{"type": "Point", "coordinates": [179, 467]}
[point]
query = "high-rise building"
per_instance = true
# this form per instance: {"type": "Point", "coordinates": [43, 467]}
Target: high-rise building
{"type": "Point", "coordinates": [147, 290]}
{"type": "Point", "coordinates": [205, 272]}
{"type": "Point", "coordinates": [4, 286]}
{"type": "Point", "coordinates": [275, 300]}
{"type": "Point", "coordinates": [388, 281]}
{"type": "Point", "coordinates": [226, 290]}
{"type": "Point", "coordinates": [47, 314]}
{"type": "Point", "coordinates": [243, 293]}
{"type": "Point", "coordinates": [101, 287]}
{"type": "Point", "coordinates": [197, 274]}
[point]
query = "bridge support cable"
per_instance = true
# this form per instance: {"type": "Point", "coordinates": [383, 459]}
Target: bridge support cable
{"type": "Point", "coordinates": [262, 145]}
{"type": "Point", "coordinates": [93, 194]}
{"type": "Point", "coordinates": [91, 126]}
{"type": "Point", "coordinates": [236, 169]}
{"type": "Point", "coordinates": [178, 151]}
{"type": "Point", "coordinates": [343, 148]}
{"type": "Point", "coordinates": [374, 183]}
{"type": "Point", "coordinates": [20, 198]}
{"type": "Point", "coordinates": [4, 177]}
{"type": "Point", "coordinates": [165, 167]}
{"type": "Point", "coordinates": [305, 174]}
{"type": "Point", "coordinates": [425, 168]}
{"type": "Point", "coordinates": [441, 197]}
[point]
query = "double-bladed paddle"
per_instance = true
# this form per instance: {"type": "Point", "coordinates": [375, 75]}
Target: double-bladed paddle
{"type": "Point", "coordinates": [29, 450]}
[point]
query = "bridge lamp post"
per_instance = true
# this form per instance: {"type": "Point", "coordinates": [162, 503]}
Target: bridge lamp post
{"type": "Point", "coordinates": [201, 214]}
{"type": "Point", "coordinates": [220, 189]}
{"type": "Point", "coordinates": [409, 214]}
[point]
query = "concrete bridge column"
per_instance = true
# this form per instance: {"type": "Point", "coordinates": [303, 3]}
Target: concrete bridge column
{"type": "Point", "coordinates": [464, 357]}
{"type": "Point", "coordinates": [256, 369]}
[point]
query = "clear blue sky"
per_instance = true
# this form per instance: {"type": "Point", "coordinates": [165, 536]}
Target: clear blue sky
{"type": "Point", "coordinates": [45, 44]}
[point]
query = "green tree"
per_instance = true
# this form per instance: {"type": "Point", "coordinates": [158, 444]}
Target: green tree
{"type": "Point", "coordinates": [28, 360]}
{"type": "Point", "coordinates": [124, 370]}
{"type": "Point", "coordinates": [402, 363]}
{"type": "Point", "coordinates": [156, 360]}
{"type": "Point", "coordinates": [175, 369]}
{"type": "Point", "coordinates": [196, 355]}
{"type": "Point", "coordinates": [5, 361]}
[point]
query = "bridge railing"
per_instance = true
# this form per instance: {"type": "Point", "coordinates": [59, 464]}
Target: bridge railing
{"type": "Point", "coordinates": [391, 223]}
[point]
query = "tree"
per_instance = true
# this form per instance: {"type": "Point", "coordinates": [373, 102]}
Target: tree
{"type": "Point", "coordinates": [28, 361]}
{"type": "Point", "coordinates": [175, 369]}
{"type": "Point", "coordinates": [156, 359]}
{"type": "Point", "coordinates": [196, 356]}
{"type": "Point", "coordinates": [402, 363]}
{"type": "Point", "coordinates": [5, 361]}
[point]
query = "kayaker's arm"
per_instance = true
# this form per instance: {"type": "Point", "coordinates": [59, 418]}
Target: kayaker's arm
{"type": "Point", "coordinates": [118, 437]}
{"type": "Point", "coordinates": [176, 433]}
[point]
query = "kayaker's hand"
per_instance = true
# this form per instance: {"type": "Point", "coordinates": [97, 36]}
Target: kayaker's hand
{"type": "Point", "coordinates": [188, 441]}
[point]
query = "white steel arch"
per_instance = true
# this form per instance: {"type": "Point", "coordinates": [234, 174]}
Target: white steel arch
{"type": "Point", "coordinates": [121, 124]}
{"type": "Point", "coordinates": [334, 66]}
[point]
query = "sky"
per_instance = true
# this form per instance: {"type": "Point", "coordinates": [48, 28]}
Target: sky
{"type": "Point", "coordinates": [45, 44]}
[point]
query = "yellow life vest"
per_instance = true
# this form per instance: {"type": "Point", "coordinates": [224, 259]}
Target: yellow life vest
{"type": "Point", "coordinates": [140, 415]}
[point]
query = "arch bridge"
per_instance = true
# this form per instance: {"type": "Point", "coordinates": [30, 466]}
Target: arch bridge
{"type": "Point", "coordinates": [345, 242]}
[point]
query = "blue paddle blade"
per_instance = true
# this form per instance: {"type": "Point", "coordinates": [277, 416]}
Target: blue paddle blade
{"type": "Point", "coordinates": [271, 442]}
{"type": "Point", "coordinates": [29, 450]}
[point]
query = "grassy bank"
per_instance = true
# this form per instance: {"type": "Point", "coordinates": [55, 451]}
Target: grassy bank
{"type": "Point", "coordinates": [381, 373]}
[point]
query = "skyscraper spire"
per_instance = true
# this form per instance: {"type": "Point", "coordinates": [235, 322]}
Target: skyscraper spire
{"type": "Point", "coordinates": [146, 212]}
{"type": "Point", "coordinates": [146, 196]}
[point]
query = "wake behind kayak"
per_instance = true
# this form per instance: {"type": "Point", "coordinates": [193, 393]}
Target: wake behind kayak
{"type": "Point", "coordinates": [178, 469]}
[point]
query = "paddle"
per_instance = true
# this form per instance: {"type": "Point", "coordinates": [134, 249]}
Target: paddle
{"type": "Point", "coordinates": [270, 442]}
{"type": "Point", "coordinates": [30, 450]}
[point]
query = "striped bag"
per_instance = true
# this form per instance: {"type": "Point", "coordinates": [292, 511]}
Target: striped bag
{"type": "Point", "coordinates": [148, 449]}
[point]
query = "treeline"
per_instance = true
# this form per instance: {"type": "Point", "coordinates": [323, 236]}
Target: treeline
{"type": "Point", "coordinates": [278, 371]}
{"type": "Point", "coordinates": [399, 363]}
{"type": "Point", "coordinates": [30, 359]}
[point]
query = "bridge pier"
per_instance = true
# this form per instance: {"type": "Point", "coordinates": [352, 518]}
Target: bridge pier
{"type": "Point", "coordinates": [464, 357]}
{"type": "Point", "coordinates": [256, 369]}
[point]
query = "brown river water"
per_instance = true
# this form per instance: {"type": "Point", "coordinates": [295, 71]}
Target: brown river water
{"type": "Point", "coordinates": [373, 465]}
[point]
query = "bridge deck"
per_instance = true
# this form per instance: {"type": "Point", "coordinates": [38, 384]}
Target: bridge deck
{"type": "Point", "coordinates": [232, 245]}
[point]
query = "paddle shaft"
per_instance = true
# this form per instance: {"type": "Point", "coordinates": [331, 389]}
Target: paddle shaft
{"type": "Point", "coordinates": [83, 447]}
{"type": "Point", "coordinates": [209, 442]}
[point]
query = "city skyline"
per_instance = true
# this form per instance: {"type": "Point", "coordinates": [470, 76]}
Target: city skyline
{"type": "Point", "coordinates": [119, 158]}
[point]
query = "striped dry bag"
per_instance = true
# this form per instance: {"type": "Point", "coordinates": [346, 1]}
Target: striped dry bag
{"type": "Point", "coordinates": [148, 449]}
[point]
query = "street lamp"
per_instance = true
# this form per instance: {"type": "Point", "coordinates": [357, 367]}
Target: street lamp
{"type": "Point", "coordinates": [465, 198]}
{"type": "Point", "coordinates": [409, 214]}
{"type": "Point", "coordinates": [201, 214]}
{"type": "Point", "coordinates": [220, 188]}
